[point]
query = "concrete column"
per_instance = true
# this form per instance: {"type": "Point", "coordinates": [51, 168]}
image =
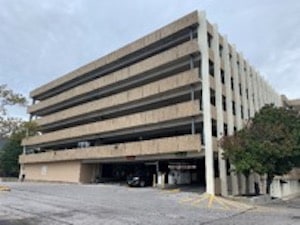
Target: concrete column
{"type": "Point", "coordinates": [234, 181]}
{"type": "Point", "coordinates": [244, 101]}
{"type": "Point", "coordinates": [255, 91]}
{"type": "Point", "coordinates": [219, 109]}
{"type": "Point", "coordinates": [242, 105]}
{"type": "Point", "coordinates": [236, 92]}
{"type": "Point", "coordinates": [242, 187]}
{"type": "Point", "coordinates": [263, 184]}
{"type": "Point", "coordinates": [228, 93]}
{"type": "Point", "coordinates": [207, 132]}
{"type": "Point", "coordinates": [22, 165]}
{"type": "Point", "coordinates": [154, 180]}
{"type": "Point", "coordinates": [251, 183]}
{"type": "Point", "coordinates": [236, 99]}
{"type": "Point", "coordinates": [250, 90]}
{"type": "Point", "coordinates": [22, 168]}
{"type": "Point", "coordinates": [263, 90]}
{"type": "Point", "coordinates": [163, 180]}
{"type": "Point", "coordinates": [260, 92]}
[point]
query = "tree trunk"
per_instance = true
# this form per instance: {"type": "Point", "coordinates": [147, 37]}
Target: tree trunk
{"type": "Point", "coordinates": [269, 182]}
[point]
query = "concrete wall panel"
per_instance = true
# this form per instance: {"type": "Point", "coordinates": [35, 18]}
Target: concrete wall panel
{"type": "Point", "coordinates": [184, 143]}
{"type": "Point", "coordinates": [148, 90]}
{"type": "Point", "coordinates": [86, 173]}
{"type": "Point", "coordinates": [172, 112]}
{"type": "Point", "coordinates": [53, 171]}
{"type": "Point", "coordinates": [134, 70]}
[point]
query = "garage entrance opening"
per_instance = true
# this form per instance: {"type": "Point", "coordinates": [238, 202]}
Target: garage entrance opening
{"type": "Point", "coordinates": [169, 173]}
{"type": "Point", "coordinates": [119, 172]}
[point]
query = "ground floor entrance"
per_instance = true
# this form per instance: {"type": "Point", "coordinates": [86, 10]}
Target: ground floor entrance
{"type": "Point", "coordinates": [160, 172]}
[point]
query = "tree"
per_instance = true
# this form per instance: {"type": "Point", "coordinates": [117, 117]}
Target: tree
{"type": "Point", "coordinates": [276, 141]}
{"type": "Point", "coordinates": [13, 129]}
{"type": "Point", "coordinates": [9, 98]}
{"type": "Point", "coordinates": [237, 152]}
{"type": "Point", "coordinates": [9, 157]}
{"type": "Point", "coordinates": [268, 145]}
{"type": "Point", "coordinates": [10, 152]}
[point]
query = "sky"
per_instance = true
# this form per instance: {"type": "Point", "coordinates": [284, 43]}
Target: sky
{"type": "Point", "coordinates": [41, 40]}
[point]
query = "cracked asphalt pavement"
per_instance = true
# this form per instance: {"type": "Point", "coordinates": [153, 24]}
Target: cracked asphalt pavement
{"type": "Point", "coordinates": [48, 203]}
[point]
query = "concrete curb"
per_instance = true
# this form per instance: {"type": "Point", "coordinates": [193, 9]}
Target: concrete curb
{"type": "Point", "coordinates": [255, 200]}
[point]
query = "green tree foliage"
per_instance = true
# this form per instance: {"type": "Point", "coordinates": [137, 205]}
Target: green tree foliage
{"type": "Point", "coordinates": [236, 150]}
{"type": "Point", "coordinates": [268, 145]}
{"type": "Point", "coordinates": [10, 152]}
{"type": "Point", "coordinates": [9, 157]}
{"type": "Point", "coordinates": [13, 129]}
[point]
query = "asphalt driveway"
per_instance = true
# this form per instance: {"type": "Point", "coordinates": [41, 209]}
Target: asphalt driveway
{"type": "Point", "coordinates": [47, 203]}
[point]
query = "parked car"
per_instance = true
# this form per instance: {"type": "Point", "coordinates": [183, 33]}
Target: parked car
{"type": "Point", "coordinates": [139, 179]}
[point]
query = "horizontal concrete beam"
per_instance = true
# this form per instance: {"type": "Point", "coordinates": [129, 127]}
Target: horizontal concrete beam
{"type": "Point", "coordinates": [186, 143]}
{"type": "Point", "coordinates": [166, 31]}
{"type": "Point", "coordinates": [123, 133]}
{"type": "Point", "coordinates": [125, 109]}
{"type": "Point", "coordinates": [148, 158]}
{"type": "Point", "coordinates": [120, 75]}
{"type": "Point", "coordinates": [169, 113]}
{"type": "Point", "coordinates": [137, 94]}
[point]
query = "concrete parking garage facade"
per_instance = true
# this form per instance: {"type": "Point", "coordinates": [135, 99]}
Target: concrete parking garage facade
{"type": "Point", "coordinates": [169, 97]}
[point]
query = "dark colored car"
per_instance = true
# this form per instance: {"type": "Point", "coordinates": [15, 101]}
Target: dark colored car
{"type": "Point", "coordinates": [139, 179]}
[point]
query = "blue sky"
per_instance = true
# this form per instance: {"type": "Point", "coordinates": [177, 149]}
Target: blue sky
{"type": "Point", "coordinates": [41, 40]}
